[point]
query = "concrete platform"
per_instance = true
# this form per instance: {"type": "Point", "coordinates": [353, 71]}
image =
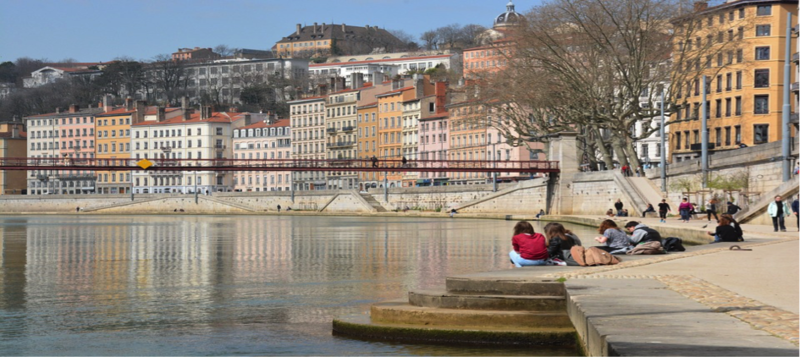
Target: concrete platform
{"type": "Point", "coordinates": [642, 317]}
{"type": "Point", "coordinates": [401, 312]}
{"type": "Point", "coordinates": [447, 300]}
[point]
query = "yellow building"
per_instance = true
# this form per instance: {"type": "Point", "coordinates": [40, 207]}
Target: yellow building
{"type": "Point", "coordinates": [113, 142]}
{"type": "Point", "coordinates": [332, 40]}
{"type": "Point", "coordinates": [12, 144]}
{"type": "Point", "coordinates": [745, 80]}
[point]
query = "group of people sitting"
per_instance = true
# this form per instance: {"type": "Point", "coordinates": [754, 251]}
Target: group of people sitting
{"type": "Point", "coordinates": [553, 247]}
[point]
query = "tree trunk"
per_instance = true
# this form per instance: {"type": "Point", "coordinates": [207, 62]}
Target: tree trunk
{"type": "Point", "coordinates": [601, 147]}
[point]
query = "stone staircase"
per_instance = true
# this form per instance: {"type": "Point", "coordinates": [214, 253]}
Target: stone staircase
{"type": "Point", "coordinates": [471, 310]}
{"type": "Point", "coordinates": [121, 204]}
{"type": "Point", "coordinates": [228, 203]}
{"type": "Point", "coordinates": [786, 190]}
{"type": "Point", "coordinates": [373, 202]}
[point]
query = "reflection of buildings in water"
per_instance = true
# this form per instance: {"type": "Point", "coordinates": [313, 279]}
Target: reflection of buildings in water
{"type": "Point", "coordinates": [13, 261]}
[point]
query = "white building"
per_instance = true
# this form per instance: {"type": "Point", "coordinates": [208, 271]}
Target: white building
{"type": "Point", "coordinates": [386, 64]}
{"type": "Point", "coordinates": [263, 140]}
{"type": "Point", "coordinates": [308, 140]}
{"type": "Point", "coordinates": [46, 75]}
{"type": "Point", "coordinates": [341, 124]}
{"type": "Point", "coordinates": [202, 137]}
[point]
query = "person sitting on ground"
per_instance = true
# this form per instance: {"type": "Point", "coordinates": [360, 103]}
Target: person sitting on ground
{"type": "Point", "coordinates": [733, 209]}
{"type": "Point", "coordinates": [529, 247]}
{"type": "Point", "coordinates": [736, 226]}
{"type": "Point", "coordinates": [567, 232]}
{"type": "Point", "coordinates": [640, 233]}
{"type": "Point", "coordinates": [453, 212]}
{"type": "Point", "coordinates": [625, 213]}
{"type": "Point", "coordinates": [614, 239]}
{"type": "Point", "coordinates": [560, 243]}
{"type": "Point", "coordinates": [618, 205]}
{"type": "Point", "coordinates": [610, 213]}
{"type": "Point", "coordinates": [724, 232]}
{"type": "Point", "coordinates": [649, 208]}
{"type": "Point", "coordinates": [541, 213]}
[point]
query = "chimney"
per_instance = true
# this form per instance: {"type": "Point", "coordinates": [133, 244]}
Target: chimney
{"type": "Point", "coordinates": [344, 27]}
{"type": "Point", "coordinates": [141, 107]}
{"type": "Point", "coordinates": [315, 28]}
{"type": "Point", "coordinates": [161, 114]}
{"type": "Point", "coordinates": [73, 108]}
{"type": "Point", "coordinates": [366, 27]}
{"type": "Point", "coordinates": [298, 29]}
{"type": "Point", "coordinates": [377, 78]}
{"type": "Point", "coordinates": [419, 85]}
{"type": "Point", "coordinates": [332, 85]}
{"type": "Point", "coordinates": [322, 89]}
{"type": "Point", "coordinates": [233, 110]}
{"type": "Point", "coordinates": [185, 103]}
{"type": "Point", "coordinates": [14, 131]}
{"type": "Point", "coordinates": [341, 83]}
{"type": "Point", "coordinates": [58, 110]}
{"type": "Point", "coordinates": [323, 27]}
{"type": "Point", "coordinates": [248, 119]}
{"type": "Point", "coordinates": [128, 103]}
{"type": "Point", "coordinates": [700, 5]}
{"type": "Point", "coordinates": [357, 80]}
{"type": "Point", "coordinates": [106, 103]}
{"type": "Point", "coordinates": [441, 97]}
{"type": "Point", "coordinates": [205, 112]}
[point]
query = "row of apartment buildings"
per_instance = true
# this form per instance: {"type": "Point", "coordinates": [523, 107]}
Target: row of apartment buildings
{"type": "Point", "coordinates": [401, 118]}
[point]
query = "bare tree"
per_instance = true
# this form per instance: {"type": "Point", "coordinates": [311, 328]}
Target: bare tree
{"type": "Point", "coordinates": [224, 50]}
{"type": "Point", "coordinates": [169, 78]}
{"type": "Point", "coordinates": [430, 40]}
{"type": "Point", "coordinates": [597, 67]}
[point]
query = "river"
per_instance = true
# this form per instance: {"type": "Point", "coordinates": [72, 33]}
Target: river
{"type": "Point", "coordinates": [227, 285]}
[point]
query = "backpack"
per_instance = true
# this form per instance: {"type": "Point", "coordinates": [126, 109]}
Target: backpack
{"type": "Point", "coordinates": [651, 236]}
{"type": "Point", "coordinates": [648, 248]}
{"type": "Point", "coordinates": [673, 244]}
{"type": "Point", "coordinates": [592, 256]}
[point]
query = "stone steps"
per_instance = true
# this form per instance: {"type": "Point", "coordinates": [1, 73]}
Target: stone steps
{"type": "Point", "coordinates": [401, 312]}
{"type": "Point", "coordinates": [447, 300]}
{"type": "Point", "coordinates": [501, 286]}
{"type": "Point", "coordinates": [373, 202]}
{"type": "Point", "coordinates": [362, 327]}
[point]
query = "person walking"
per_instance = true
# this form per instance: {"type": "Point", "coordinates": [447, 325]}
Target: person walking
{"type": "Point", "coordinates": [685, 208]}
{"type": "Point", "coordinates": [618, 205]}
{"type": "Point", "coordinates": [663, 208]}
{"type": "Point", "coordinates": [711, 208]}
{"type": "Point", "coordinates": [404, 161]}
{"type": "Point", "coordinates": [733, 209]}
{"type": "Point", "coordinates": [279, 208]}
{"type": "Point", "coordinates": [778, 210]}
{"type": "Point", "coordinates": [795, 208]}
{"type": "Point", "coordinates": [374, 161]}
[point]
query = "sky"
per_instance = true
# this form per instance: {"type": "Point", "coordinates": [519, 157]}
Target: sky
{"type": "Point", "coordinates": [102, 30]}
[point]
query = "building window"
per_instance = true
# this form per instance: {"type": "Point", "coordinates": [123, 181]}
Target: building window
{"type": "Point", "coordinates": [762, 53]}
{"type": "Point", "coordinates": [719, 108]}
{"type": "Point", "coordinates": [739, 80]}
{"type": "Point", "coordinates": [741, 12]}
{"type": "Point", "coordinates": [739, 56]}
{"type": "Point", "coordinates": [763, 30]}
{"type": "Point", "coordinates": [760, 133]}
{"type": "Point", "coordinates": [738, 105]}
{"type": "Point", "coordinates": [728, 82]}
{"type": "Point", "coordinates": [761, 104]}
{"type": "Point", "coordinates": [718, 136]}
{"type": "Point", "coordinates": [761, 78]}
{"type": "Point", "coordinates": [727, 107]}
{"type": "Point", "coordinates": [738, 134]}
{"type": "Point", "coordinates": [764, 10]}
{"type": "Point", "coordinates": [727, 136]}
{"type": "Point", "coordinates": [686, 137]}
{"type": "Point", "coordinates": [696, 134]}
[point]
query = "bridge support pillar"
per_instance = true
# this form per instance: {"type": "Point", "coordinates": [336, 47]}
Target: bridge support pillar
{"type": "Point", "coordinates": [562, 147]}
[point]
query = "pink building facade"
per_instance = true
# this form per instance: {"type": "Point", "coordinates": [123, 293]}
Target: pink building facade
{"type": "Point", "coordinates": [433, 145]}
{"type": "Point", "coordinates": [261, 141]}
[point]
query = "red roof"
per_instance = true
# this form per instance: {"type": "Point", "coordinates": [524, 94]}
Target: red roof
{"type": "Point", "coordinates": [263, 124]}
{"type": "Point", "coordinates": [216, 117]}
{"type": "Point", "coordinates": [394, 91]}
{"type": "Point", "coordinates": [154, 109]}
{"type": "Point", "coordinates": [376, 60]}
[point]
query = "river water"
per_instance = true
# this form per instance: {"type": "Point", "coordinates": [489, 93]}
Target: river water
{"type": "Point", "coordinates": [227, 285]}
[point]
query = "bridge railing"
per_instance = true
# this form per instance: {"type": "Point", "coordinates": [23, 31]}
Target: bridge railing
{"type": "Point", "coordinates": [109, 164]}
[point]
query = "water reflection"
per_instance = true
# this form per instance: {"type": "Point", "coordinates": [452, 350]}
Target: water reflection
{"type": "Point", "coordinates": [201, 285]}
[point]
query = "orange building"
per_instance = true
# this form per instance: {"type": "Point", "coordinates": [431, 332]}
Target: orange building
{"type": "Point", "coordinates": [368, 141]}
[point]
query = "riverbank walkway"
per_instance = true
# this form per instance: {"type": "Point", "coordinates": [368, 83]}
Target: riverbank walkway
{"type": "Point", "coordinates": [709, 300]}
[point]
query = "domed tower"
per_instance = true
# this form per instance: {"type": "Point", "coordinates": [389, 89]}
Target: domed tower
{"type": "Point", "coordinates": [508, 18]}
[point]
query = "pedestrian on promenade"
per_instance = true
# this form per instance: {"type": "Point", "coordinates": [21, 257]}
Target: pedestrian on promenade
{"type": "Point", "coordinates": [663, 208]}
{"type": "Point", "coordinates": [685, 208]}
{"type": "Point", "coordinates": [733, 209]}
{"type": "Point", "coordinates": [279, 208]}
{"type": "Point", "coordinates": [614, 239]}
{"type": "Point", "coordinates": [778, 210]}
{"type": "Point", "coordinates": [618, 205]}
{"type": "Point", "coordinates": [374, 161]}
{"type": "Point", "coordinates": [541, 213]}
{"type": "Point", "coordinates": [404, 161]}
{"type": "Point", "coordinates": [711, 208]}
{"type": "Point", "coordinates": [795, 208]}
{"type": "Point", "coordinates": [529, 247]}
{"type": "Point", "coordinates": [453, 212]}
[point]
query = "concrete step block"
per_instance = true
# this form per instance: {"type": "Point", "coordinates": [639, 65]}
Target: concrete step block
{"type": "Point", "coordinates": [500, 286]}
{"type": "Point", "coordinates": [362, 327]}
{"type": "Point", "coordinates": [446, 300]}
{"type": "Point", "coordinates": [401, 312]}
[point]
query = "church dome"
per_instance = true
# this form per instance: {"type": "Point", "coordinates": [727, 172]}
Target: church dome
{"type": "Point", "coordinates": [508, 18]}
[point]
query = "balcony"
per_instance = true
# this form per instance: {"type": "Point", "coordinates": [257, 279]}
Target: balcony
{"type": "Point", "coordinates": [74, 177]}
{"type": "Point", "coordinates": [220, 147]}
{"type": "Point", "coordinates": [331, 130]}
{"type": "Point", "coordinates": [341, 145]}
{"type": "Point", "coordinates": [793, 118]}
{"type": "Point", "coordinates": [796, 57]}
{"type": "Point", "coordinates": [794, 87]}
{"type": "Point", "coordinates": [348, 128]}
{"type": "Point", "coordinates": [699, 147]}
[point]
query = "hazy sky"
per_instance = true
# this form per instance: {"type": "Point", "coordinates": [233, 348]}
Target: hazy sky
{"type": "Point", "coordinates": [101, 30]}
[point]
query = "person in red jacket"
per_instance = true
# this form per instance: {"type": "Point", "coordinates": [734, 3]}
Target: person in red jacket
{"type": "Point", "coordinates": [530, 248]}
